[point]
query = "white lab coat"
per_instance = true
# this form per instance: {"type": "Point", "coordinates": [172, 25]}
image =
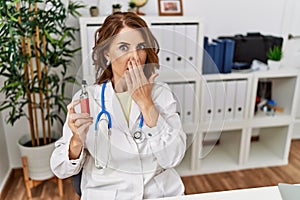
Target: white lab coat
{"type": "Point", "coordinates": [135, 171]}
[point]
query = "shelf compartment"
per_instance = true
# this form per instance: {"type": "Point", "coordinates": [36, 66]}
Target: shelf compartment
{"type": "Point", "coordinates": [282, 92]}
{"type": "Point", "coordinates": [186, 167]}
{"type": "Point", "coordinates": [191, 128]}
{"type": "Point", "coordinates": [271, 149]}
{"type": "Point", "coordinates": [266, 121]}
{"type": "Point", "coordinates": [225, 155]}
{"type": "Point", "coordinates": [224, 77]}
{"type": "Point", "coordinates": [174, 76]}
{"type": "Point", "coordinates": [224, 125]}
{"type": "Point", "coordinates": [296, 129]}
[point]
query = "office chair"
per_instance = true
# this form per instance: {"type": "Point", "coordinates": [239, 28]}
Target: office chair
{"type": "Point", "coordinates": [76, 179]}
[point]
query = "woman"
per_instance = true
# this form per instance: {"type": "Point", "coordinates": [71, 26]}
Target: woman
{"type": "Point", "coordinates": [131, 156]}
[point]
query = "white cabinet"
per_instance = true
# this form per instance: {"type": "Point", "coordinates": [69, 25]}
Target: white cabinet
{"type": "Point", "coordinates": [296, 127]}
{"type": "Point", "coordinates": [218, 111]}
{"type": "Point", "coordinates": [225, 144]}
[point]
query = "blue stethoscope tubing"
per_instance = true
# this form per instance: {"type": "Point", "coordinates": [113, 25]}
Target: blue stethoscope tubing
{"type": "Point", "coordinates": [103, 110]}
{"type": "Point", "coordinates": [137, 136]}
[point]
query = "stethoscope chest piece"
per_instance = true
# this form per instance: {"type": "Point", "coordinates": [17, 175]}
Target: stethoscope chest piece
{"type": "Point", "coordinates": [138, 136]}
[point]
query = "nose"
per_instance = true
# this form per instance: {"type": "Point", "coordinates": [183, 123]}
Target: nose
{"type": "Point", "coordinates": [134, 54]}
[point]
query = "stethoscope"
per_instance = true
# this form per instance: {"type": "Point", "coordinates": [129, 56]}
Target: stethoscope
{"type": "Point", "coordinates": [138, 135]}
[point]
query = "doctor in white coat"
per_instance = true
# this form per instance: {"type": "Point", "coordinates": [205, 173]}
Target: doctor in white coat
{"type": "Point", "coordinates": [129, 153]}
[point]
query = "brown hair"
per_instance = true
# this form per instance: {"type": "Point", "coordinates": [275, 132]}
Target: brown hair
{"type": "Point", "coordinates": [110, 28]}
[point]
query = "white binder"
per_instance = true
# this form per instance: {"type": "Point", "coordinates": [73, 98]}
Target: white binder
{"type": "Point", "coordinates": [208, 101]}
{"type": "Point", "coordinates": [189, 102]}
{"type": "Point", "coordinates": [157, 32]}
{"type": "Point", "coordinates": [229, 100]}
{"type": "Point", "coordinates": [89, 67]}
{"type": "Point", "coordinates": [240, 99]}
{"type": "Point", "coordinates": [167, 44]}
{"type": "Point", "coordinates": [179, 46]}
{"type": "Point", "coordinates": [179, 96]}
{"type": "Point", "coordinates": [219, 101]}
{"type": "Point", "coordinates": [191, 46]}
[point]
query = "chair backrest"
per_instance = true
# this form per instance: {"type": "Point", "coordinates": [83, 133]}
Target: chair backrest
{"type": "Point", "coordinates": [77, 182]}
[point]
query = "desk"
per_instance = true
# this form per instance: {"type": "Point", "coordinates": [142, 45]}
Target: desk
{"type": "Point", "coordinates": [262, 193]}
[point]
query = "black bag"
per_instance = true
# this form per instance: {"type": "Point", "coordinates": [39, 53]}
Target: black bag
{"type": "Point", "coordinates": [253, 46]}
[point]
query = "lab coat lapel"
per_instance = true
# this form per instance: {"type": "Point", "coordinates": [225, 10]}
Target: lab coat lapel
{"type": "Point", "coordinates": [114, 107]}
{"type": "Point", "coordinates": [134, 115]}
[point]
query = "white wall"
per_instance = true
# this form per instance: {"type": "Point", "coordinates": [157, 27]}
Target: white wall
{"type": "Point", "coordinates": [220, 18]}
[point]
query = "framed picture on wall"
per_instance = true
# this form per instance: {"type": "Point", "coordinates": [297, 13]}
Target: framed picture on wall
{"type": "Point", "coordinates": [170, 7]}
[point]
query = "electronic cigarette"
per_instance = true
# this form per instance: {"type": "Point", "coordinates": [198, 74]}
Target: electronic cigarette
{"type": "Point", "coordinates": [84, 99]}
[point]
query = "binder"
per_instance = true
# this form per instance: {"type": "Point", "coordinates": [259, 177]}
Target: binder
{"type": "Point", "coordinates": [90, 39]}
{"type": "Point", "coordinates": [208, 101]}
{"type": "Point", "coordinates": [219, 101]}
{"type": "Point", "coordinates": [179, 97]}
{"type": "Point", "coordinates": [229, 100]}
{"type": "Point", "coordinates": [157, 32]}
{"type": "Point", "coordinates": [167, 54]}
{"type": "Point", "coordinates": [179, 46]}
{"type": "Point", "coordinates": [217, 56]}
{"type": "Point", "coordinates": [220, 61]}
{"type": "Point", "coordinates": [228, 55]}
{"type": "Point", "coordinates": [206, 56]}
{"type": "Point", "coordinates": [240, 99]}
{"type": "Point", "coordinates": [205, 42]}
{"type": "Point", "coordinates": [191, 46]}
{"type": "Point", "coordinates": [209, 66]}
{"type": "Point", "coordinates": [189, 101]}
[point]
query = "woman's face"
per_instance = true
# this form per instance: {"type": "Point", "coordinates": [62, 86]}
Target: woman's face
{"type": "Point", "coordinates": [129, 43]}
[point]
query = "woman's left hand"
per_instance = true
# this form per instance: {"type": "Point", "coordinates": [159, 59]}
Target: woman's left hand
{"type": "Point", "coordinates": [140, 89]}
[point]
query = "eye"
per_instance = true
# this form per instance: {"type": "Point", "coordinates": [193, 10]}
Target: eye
{"type": "Point", "coordinates": [141, 46]}
{"type": "Point", "coordinates": [123, 47]}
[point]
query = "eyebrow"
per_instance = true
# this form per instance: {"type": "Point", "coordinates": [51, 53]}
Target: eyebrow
{"type": "Point", "coordinates": [143, 42]}
{"type": "Point", "coordinates": [123, 43]}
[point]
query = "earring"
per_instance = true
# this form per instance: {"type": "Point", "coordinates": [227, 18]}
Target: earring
{"type": "Point", "coordinates": [107, 62]}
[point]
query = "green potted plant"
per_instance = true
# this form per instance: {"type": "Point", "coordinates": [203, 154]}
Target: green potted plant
{"type": "Point", "coordinates": [132, 6]}
{"type": "Point", "coordinates": [116, 8]}
{"type": "Point", "coordinates": [274, 55]}
{"type": "Point", "coordinates": [35, 55]}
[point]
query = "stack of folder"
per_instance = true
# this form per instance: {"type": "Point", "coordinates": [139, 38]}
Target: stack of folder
{"type": "Point", "coordinates": [184, 94]}
{"type": "Point", "coordinates": [224, 100]}
{"type": "Point", "coordinates": [218, 56]}
{"type": "Point", "coordinates": [178, 46]}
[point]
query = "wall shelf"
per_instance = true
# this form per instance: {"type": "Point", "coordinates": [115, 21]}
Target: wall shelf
{"type": "Point", "coordinates": [271, 149]}
{"type": "Point", "coordinates": [175, 76]}
{"type": "Point", "coordinates": [235, 149]}
{"type": "Point", "coordinates": [223, 155]}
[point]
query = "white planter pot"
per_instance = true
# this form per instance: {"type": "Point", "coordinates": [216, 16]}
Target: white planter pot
{"type": "Point", "coordinates": [132, 10]}
{"type": "Point", "coordinates": [274, 64]}
{"type": "Point", "coordinates": [114, 10]}
{"type": "Point", "coordinates": [38, 158]}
